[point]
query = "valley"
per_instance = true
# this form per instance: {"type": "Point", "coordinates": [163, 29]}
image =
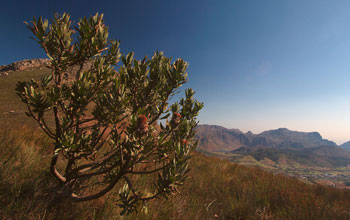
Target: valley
{"type": "Point", "coordinates": [338, 177]}
{"type": "Point", "coordinates": [312, 160]}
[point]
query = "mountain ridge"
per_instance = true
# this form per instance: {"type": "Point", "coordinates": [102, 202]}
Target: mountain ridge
{"type": "Point", "coordinates": [281, 137]}
{"type": "Point", "coordinates": [301, 147]}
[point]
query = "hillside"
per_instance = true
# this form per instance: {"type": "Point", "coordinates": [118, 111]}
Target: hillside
{"type": "Point", "coordinates": [11, 109]}
{"type": "Point", "coordinates": [214, 138]}
{"type": "Point", "coordinates": [214, 189]}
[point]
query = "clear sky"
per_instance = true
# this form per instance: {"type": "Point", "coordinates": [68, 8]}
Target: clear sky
{"type": "Point", "coordinates": [256, 64]}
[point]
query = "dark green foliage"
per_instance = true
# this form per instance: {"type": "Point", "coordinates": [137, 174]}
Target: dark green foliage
{"type": "Point", "coordinates": [107, 122]}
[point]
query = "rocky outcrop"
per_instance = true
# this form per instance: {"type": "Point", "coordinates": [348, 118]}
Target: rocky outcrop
{"type": "Point", "coordinates": [39, 63]}
{"type": "Point", "coordinates": [23, 65]}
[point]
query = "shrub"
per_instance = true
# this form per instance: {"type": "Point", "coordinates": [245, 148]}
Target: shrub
{"type": "Point", "coordinates": [111, 118]}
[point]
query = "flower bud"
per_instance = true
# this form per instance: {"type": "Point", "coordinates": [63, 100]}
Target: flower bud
{"type": "Point", "coordinates": [176, 118]}
{"type": "Point", "coordinates": [142, 125]}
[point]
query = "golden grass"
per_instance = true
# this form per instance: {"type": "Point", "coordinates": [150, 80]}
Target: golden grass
{"type": "Point", "coordinates": [214, 188]}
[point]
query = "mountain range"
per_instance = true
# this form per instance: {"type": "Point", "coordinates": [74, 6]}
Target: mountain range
{"type": "Point", "coordinates": [302, 147]}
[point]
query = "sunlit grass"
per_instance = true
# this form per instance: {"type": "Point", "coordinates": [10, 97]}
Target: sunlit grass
{"type": "Point", "coordinates": [214, 188]}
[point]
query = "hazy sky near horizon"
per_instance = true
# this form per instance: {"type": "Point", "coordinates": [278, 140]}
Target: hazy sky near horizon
{"type": "Point", "coordinates": [256, 64]}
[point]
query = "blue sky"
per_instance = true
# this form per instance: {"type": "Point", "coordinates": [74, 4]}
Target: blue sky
{"type": "Point", "coordinates": [256, 64]}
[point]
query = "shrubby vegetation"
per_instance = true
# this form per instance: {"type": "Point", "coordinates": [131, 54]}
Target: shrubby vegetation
{"type": "Point", "coordinates": [112, 119]}
{"type": "Point", "coordinates": [214, 187]}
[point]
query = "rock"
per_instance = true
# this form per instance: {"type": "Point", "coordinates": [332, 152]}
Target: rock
{"type": "Point", "coordinates": [40, 64]}
{"type": "Point", "coordinates": [4, 74]}
{"type": "Point", "coordinates": [24, 65]}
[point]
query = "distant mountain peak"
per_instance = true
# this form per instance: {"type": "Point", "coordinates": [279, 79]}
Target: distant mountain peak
{"type": "Point", "coordinates": [278, 131]}
{"type": "Point", "coordinates": [218, 138]}
{"type": "Point", "coordinates": [315, 134]}
{"type": "Point", "coordinates": [283, 129]}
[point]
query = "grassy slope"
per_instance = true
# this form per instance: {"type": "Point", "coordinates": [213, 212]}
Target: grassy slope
{"type": "Point", "coordinates": [214, 186]}
{"type": "Point", "coordinates": [11, 109]}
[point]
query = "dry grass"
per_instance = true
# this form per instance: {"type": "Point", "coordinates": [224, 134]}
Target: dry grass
{"type": "Point", "coordinates": [11, 108]}
{"type": "Point", "coordinates": [214, 188]}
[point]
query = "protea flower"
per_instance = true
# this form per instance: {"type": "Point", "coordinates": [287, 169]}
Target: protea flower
{"type": "Point", "coordinates": [176, 118]}
{"type": "Point", "coordinates": [142, 125]}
